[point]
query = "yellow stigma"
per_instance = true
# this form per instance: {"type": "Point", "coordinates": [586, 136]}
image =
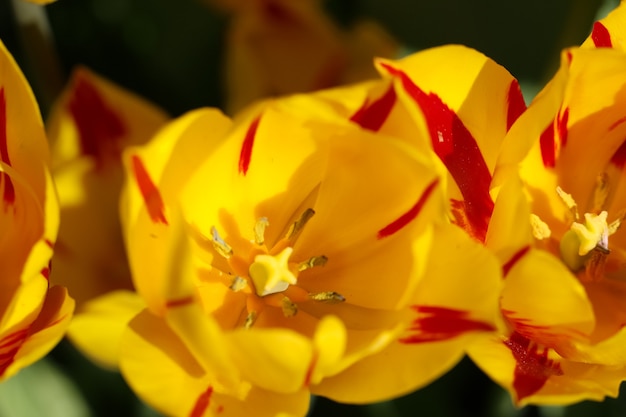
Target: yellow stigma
{"type": "Point", "coordinates": [271, 274]}
{"type": "Point", "coordinates": [593, 234]}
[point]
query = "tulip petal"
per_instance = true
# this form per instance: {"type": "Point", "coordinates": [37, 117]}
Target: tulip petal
{"type": "Point", "coordinates": [529, 302]}
{"type": "Point", "coordinates": [97, 330]}
{"type": "Point", "coordinates": [43, 333]}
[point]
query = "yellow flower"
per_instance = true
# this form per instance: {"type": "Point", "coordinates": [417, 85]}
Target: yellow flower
{"type": "Point", "coordinates": [42, 2]}
{"type": "Point", "coordinates": [301, 248]}
{"type": "Point", "coordinates": [562, 337]}
{"type": "Point", "coordinates": [277, 47]}
{"type": "Point", "coordinates": [34, 315]}
{"type": "Point", "coordinates": [91, 123]}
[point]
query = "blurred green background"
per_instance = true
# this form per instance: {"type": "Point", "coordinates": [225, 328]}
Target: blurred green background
{"type": "Point", "coordinates": [169, 51]}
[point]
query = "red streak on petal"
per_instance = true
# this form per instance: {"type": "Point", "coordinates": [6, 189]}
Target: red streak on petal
{"type": "Point", "coordinates": [562, 126]}
{"type": "Point", "coordinates": [373, 116]}
{"type": "Point", "coordinates": [179, 302]}
{"type": "Point", "coordinates": [9, 346]}
{"type": "Point", "coordinates": [619, 157]}
{"type": "Point", "coordinates": [441, 323]}
{"type": "Point", "coordinates": [569, 57]}
{"type": "Point", "coordinates": [410, 215]}
{"type": "Point", "coordinates": [458, 150]}
{"type": "Point", "coordinates": [601, 36]}
{"type": "Point", "coordinates": [220, 409]}
{"type": "Point", "coordinates": [49, 243]}
{"type": "Point", "coordinates": [309, 371]}
{"type": "Point", "coordinates": [202, 403]}
{"type": "Point", "coordinates": [514, 259]}
{"type": "Point", "coordinates": [548, 147]}
{"type": "Point", "coordinates": [246, 148]}
{"type": "Point", "coordinates": [8, 192]}
{"type": "Point", "coordinates": [532, 368]}
{"type": "Point", "coordinates": [516, 104]}
{"type": "Point", "coordinates": [617, 123]}
{"type": "Point", "coordinates": [100, 128]}
{"type": "Point", "coordinates": [46, 273]}
{"type": "Point", "coordinates": [149, 191]}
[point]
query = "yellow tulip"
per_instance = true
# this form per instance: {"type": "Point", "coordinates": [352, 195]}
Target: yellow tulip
{"type": "Point", "coordinates": [89, 126]}
{"type": "Point", "coordinates": [34, 315]}
{"type": "Point", "coordinates": [554, 228]}
{"type": "Point", "coordinates": [302, 247]}
{"type": "Point", "coordinates": [277, 47]}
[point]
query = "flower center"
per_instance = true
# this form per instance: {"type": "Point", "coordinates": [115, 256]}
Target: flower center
{"type": "Point", "coordinates": [585, 246]}
{"type": "Point", "coordinates": [272, 274]}
{"type": "Point", "coordinates": [269, 276]}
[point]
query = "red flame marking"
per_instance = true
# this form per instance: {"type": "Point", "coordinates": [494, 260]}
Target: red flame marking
{"type": "Point", "coordinates": [246, 148]}
{"type": "Point", "coordinates": [309, 371]}
{"type": "Point", "coordinates": [441, 323]}
{"type": "Point", "coordinates": [619, 157]}
{"type": "Point", "coordinates": [548, 148]}
{"type": "Point", "coordinates": [601, 36]}
{"type": "Point", "coordinates": [562, 127]}
{"type": "Point", "coordinates": [202, 403]}
{"type": "Point", "coordinates": [410, 215]}
{"type": "Point", "coordinates": [373, 116]}
{"type": "Point", "coordinates": [514, 259]}
{"type": "Point", "coordinates": [149, 191]}
{"type": "Point", "coordinates": [179, 302]}
{"type": "Point", "coordinates": [100, 128]}
{"type": "Point", "coordinates": [9, 346]}
{"type": "Point", "coordinates": [458, 150]}
{"type": "Point", "coordinates": [516, 104]}
{"type": "Point", "coordinates": [8, 194]}
{"type": "Point", "coordinates": [532, 368]}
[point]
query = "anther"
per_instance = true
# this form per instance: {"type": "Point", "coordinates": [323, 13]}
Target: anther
{"type": "Point", "coordinates": [259, 230]}
{"type": "Point", "coordinates": [312, 263]}
{"type": "Point", "coordinates": [540, 229]}
{"type": "Point", "coordinates": [220, 245]}
{"type": "Point", "coordinates": [601, 192]}
{"type": "Point", "coordinates": [237, 284]}
{"type": "Point", "coordinates": [569, 202]}
{"type": "Point", "coordinates": [250, 319]}
{"type": "Point", "coordinates": [290, 309]}
{"type": "Point", "coordinates": [297, 226]}
{"type": "Point", "coordinates": [330, 297]}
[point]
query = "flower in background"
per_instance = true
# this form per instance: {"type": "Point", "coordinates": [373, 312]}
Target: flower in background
{"type": "Point", "coordinates": [34, 315]}
{"type": "Point", "coordinates": [278, 47]}
{"type": "Point", "coordinates": [91, 123]}
{"type": "Point", "coordinates": [42, 2]}
{"type": "Point", "coordinates": [301, 248]}
{"type": "Point", "coordinates": [561, 167]}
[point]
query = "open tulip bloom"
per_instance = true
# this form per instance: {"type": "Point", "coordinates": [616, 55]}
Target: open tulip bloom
{"type": "Point", "coordinates": [303, 247]}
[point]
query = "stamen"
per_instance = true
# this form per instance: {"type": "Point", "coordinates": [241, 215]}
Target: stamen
{"type": "Point", "coordinates": [250, 319]}
{"type": "Point", "coordinates": [259, 230]}
{"type": "Point", "coordinates": [601, 192]}
{"type": "Point", "coordinates": [297, 226]}
{"type": "Point", "coordinates": [569, 202]}
{"type": "Point", "coordinates": [312, 263]}
{"type": "Point", "coordinates": [615, 224]}
{"type": "Point", "coordinates": [220, 245]}
{"type": "Point", "coordinates": [290, 309]}
{"type": "Point", "coordinates": [330, 297]}
{"type": "Point", "coordinates": [238, 283]}
{"type": "Point", "coordinates": [539, 228]}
